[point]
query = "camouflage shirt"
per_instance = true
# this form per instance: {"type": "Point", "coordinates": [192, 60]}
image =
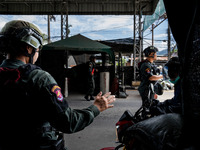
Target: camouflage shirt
{"type": "Point", "coordinates": [147, 69]}
{"type": "Point", "coordinates": [31, 100]}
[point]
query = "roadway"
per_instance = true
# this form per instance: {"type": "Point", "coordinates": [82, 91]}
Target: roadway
{"type": "Point", "coordinates": [101, 133]}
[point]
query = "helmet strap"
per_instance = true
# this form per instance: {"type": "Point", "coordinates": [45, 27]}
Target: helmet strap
{"type": "Point", "coordinates": [152, 55]}
{"type": "Point", "coordinates": [31, 55]}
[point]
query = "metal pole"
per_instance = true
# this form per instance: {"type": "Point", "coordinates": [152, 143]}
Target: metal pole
{"type": "Point", "coordinates": [64, 20]}
{"type": "Point", "coordinates": [134, 42]}
{"type": "Point", "coordinates": [48, 20]}
{"type": "Point", "coordinates": [140, 34]}
{"type": "Point", "coordinates": [169, 42]}
{"type": "Point", "coordinates": [152, 34]}
{"type": "Point", "coordinates": [64, 34]}
{"type": "Point", "coordinates": [66, 25]}
{"type": "Point", "coordinates": [61, 27]}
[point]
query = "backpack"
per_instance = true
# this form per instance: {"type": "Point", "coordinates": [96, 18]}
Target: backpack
{"type": "Point", "coordinates": [8, 76]}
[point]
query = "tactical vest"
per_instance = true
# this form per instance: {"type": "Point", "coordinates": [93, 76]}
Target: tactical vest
{"type": "Point", "coordinates": [14, 106]}
{"type": "Point", "coordinates": [20, 112]}
{"type": "Point", "coordinates": [12, 76]}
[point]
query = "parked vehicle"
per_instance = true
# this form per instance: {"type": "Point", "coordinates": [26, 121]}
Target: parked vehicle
{"type": "Point", "coordinates": [128, 119]}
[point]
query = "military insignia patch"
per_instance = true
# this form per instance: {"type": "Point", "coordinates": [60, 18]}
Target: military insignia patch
{"type": "Point", "coordinates": [57, 90]}
{"type": "Point", "coordinates": [148, 70]}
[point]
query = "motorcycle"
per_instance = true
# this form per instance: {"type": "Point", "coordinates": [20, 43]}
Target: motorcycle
{"type": "Point", "coordinates": [128, 120]}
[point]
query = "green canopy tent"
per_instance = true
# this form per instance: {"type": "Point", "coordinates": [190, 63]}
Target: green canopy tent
{"type": "Point", "coordinates": [80, 44]}
{"type": "Point", "coordinates": [54, 55]}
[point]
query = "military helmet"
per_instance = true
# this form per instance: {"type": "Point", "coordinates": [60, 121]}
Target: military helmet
{"type": "Point", "coordinates": [147, 51]}
{"type": "Point", "coordinates": [24, 32]}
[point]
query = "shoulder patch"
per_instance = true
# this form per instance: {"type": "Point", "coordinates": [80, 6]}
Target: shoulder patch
{"type": "Point", "coordinates": [57, 90]}
{"type": "Point", "coordinates": [148, 70]}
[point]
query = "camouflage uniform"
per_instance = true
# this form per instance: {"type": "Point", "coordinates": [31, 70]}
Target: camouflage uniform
{"type": "Point", "coordinates": [147, 69]}
{"type": "Point", "coordinates": [32, 107]}
{"type": "Point", "coordinates": [90, 80]}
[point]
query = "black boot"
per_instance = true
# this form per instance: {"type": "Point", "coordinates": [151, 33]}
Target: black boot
{"type": "Point", "coordinates": [86, 97]}
{"type": "Point", "coordinates": [91, 97]}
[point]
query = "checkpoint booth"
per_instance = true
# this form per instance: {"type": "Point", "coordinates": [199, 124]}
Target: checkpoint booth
{"type": "Point", "coordinates": [66, 61]}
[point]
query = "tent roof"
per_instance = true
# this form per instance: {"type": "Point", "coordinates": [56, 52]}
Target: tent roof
{"type": "Point", "coordinates": [124, 45]}
{"type": "Point", "coordinates": [80, 44]}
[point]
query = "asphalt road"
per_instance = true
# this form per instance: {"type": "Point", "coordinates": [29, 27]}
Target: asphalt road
{"type": "Point", "coordinates": [101, 133]}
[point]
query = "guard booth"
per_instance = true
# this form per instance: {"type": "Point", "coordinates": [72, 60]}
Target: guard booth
{"type": "Point", "coordinates": [66, 61]}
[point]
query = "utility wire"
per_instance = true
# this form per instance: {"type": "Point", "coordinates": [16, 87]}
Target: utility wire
{"type": "Point", "coordinates": [105, 29]}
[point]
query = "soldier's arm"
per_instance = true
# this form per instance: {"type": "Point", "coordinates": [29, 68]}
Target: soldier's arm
{"type": "Point", "coordinates": [60, 115]}
{"type": "Point", "coordinates": [155, 77]}
{"type": "Point", "coordinates": [147, 73]}
{"type": "Point", "coordinates": [145, 70]}
{"type": "Point", "coordinates": [90, 67]}
{"type": "Point", "coordinates": [73, 120]}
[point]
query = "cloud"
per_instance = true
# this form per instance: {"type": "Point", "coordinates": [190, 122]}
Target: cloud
{"type": "Point", "coordinates": [2, 23]}
{"type": "Point", "coordinates": [39, 21]}
{"type": "Point", "coordinates": [30, 18]}
{"type": "Point", "coordinates": [159, 44]}
{"type": "Point", "coordinates": [96, 27]}
{"type": "Point", "coordinates": [4, 19]}
{"type": "Point", "coordinates": [163, 36]}
{"type": "Point", "coordinates": [97, 24]}
{"type": "Point", "coordinates": [94, 36]}
{"type": "Point", "coordinates": [101, 26]}
{"type": "Point", "coordinates": [104, 22]}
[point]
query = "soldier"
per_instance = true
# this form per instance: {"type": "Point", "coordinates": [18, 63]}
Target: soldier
{"type": "Point", "coordinates": [90, 81]}
{"type": "Point", "coordinates": [33, 112]}
{"type": "Point", "coordinates": [148, 72]}
{"type": "Point", "coordinates": [173, 105]}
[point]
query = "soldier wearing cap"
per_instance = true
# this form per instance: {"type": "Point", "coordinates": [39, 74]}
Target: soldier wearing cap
{"type": "Point", "coordinates": [148, 72]}
{"type": "Point", "coordinates": [33, 112]}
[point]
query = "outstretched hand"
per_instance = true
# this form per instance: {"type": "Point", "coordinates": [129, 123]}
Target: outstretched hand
{"type": "Point", "coordinates": [104, 102]}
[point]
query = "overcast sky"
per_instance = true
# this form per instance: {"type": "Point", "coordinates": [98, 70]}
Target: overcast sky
{"type": "Point", "coordinates": [94, 27]}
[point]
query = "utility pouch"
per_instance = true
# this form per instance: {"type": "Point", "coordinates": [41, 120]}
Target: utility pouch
{"type": "Point", "coordinates": [58, 144]}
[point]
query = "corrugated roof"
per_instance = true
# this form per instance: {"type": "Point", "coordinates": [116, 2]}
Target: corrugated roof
{"type": "Point", "coordinates": [76, 7]}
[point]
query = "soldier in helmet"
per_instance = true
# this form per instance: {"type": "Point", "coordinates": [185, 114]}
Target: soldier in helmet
{"type": "Point", "coordinates": [148, 72]}
{"type": "Point", "coordinates": [33, 112]}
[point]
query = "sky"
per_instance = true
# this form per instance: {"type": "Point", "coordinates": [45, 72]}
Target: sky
{"type": "Point", "coordinates": [101, 27]}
